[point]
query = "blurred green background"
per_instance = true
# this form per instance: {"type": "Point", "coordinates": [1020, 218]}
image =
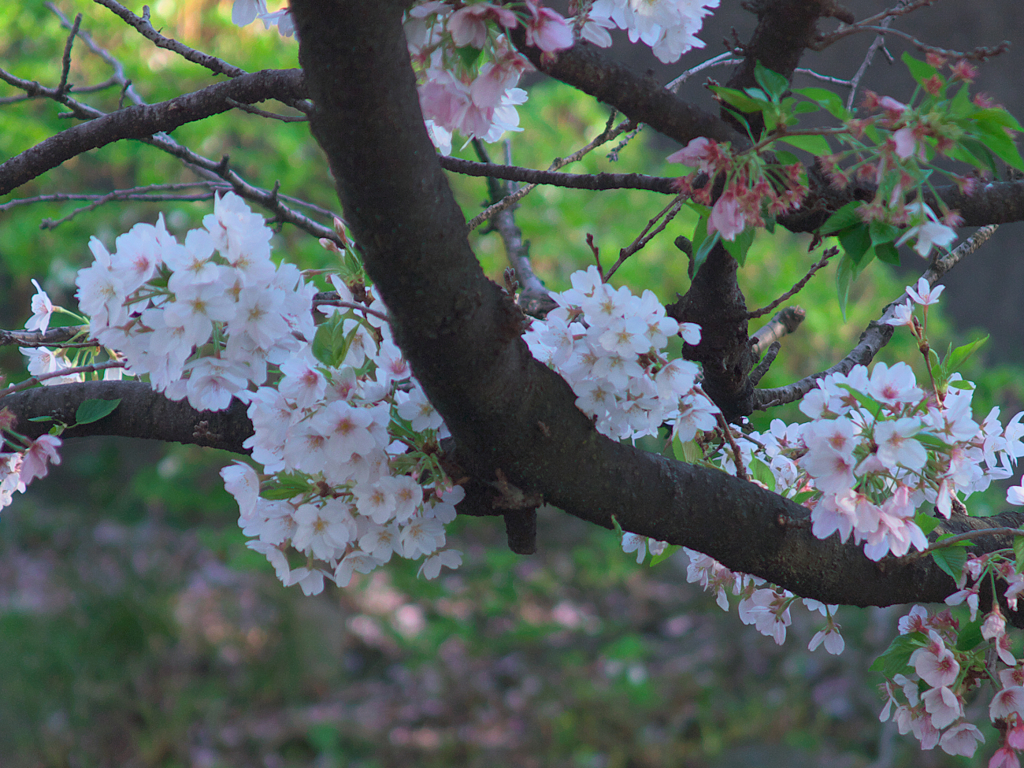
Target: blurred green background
{"type": "Point", "coordinates": [136, 629]}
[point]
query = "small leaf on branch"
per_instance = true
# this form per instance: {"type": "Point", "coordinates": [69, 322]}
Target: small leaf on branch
{"type": "Point", "coordinates": [951, 559]}
{"type": "Point", "coordinates": [773, 83]}
{"type": "Point", "coordinates": [670, 550]}
{"type": "Point", "coordinates": [844, 218]}
{"type": "Point", "coordinates": [897, 656]}
{"type": "Point", "coordinates": [94, 410]}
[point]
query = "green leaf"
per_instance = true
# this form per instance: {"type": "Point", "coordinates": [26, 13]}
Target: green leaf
{"type": "Point", "coordinates": [738, 248]}
{"type": "Point", "coordinates": [468, 55]}
{"type": "Point", "coordinates": [970, 636]}
{"type": "Point", "coordinates": [919, 70]}
{"type": "Point", "coordinates": [1018, 553]}
{"type": "Point", "coordinates": [951, 559]}
{"type": "Point", "coordinates": [705, 248]}
{"type": "Point", "coordinates": [670, 550]}
{"type": "Point", "coordinates": [931, 441]}
{"type": "Point", "coordinates": [994, 137]}
{"type": "Point", "coordinates": [738, 99]}
{"type": "Point", "coordinates": [826, 98]}
{"type": "Point", "coordinates": [688, 452]}
{"type": "Point", "coordinates": [926, 522]}
{"type": "Point", "coordinates": [845, 273]}
{"type": "Point", "coordinates": [959, 356]}
{"type": "Point", "coordinates": [844, 218]}
{"type": "Point", "coordinates": [801, 107]}
{"type": "Point", "coordinates": [816, 145]}
{"type": "Point", "coordinates": [286, 487]}
{"type": "Point", "coordinates": [773, 83]}
{"type": "Point", "coordinates": [94, 410]}
{"type": "Point", "coordinates": [331, 343]}
{"type": "Point", "coordinates": [803, 496]}
{"type": "Point", "coordinates": [886, 252]}
{"type": "Point", "coordinates": [762, 473]}
{"type": "Point", "coordinates": [998, 116]}
{"type": "Point", "coordinates": [866, 400]}
{"type": "Point", "coordinates": [786, 158]}
{"type": "Point", "coordinates": [856, 241]}
{"type": "Point", "coordinates": [897, 656]}
{"type": "Point", "coordinates": [973, 151]}
{"type": "Point", "coordinates": [882, 232]}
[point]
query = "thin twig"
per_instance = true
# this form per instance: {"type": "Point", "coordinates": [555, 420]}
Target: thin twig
{"type": "Point", "coordinates": [952, 541]}
{"type": "Point", "coordinates": [143, 27]}
{"type": "Point", "coordinates": [65, 68]}
{"type": "Point", "coordinates": [741, 471]}
{"type": "Point", "coordinates": [39, 379]}
{"type": "Point", "coordinates": [264, 113]}
{"type": "Point", "coordinates": [330, 299]}
{"type": "Point", "coordinates": [61, 336]}
{"type": "Point", "coordinates": [876, 44]}
{"type": "Point", "coordinates": [877, 334]}
{"type": "Point", "coordinates": [799, 286]}
{"type": "Point", "coordinates": [204, 167]}
{"type": "Point", "coordinates": [606, 135]}
{"type": "Point", "coordinates": [665, 215]}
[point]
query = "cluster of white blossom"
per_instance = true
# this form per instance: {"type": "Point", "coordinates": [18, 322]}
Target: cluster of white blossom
{"type": "Point", "coordinates": [345, 435]}
{"type": "Point", "coordinates": [929, 701]}
{"type": "Point", "coordinates": [202, 319]}
{"type": "Point", "coordinates": [609, 344]}
{"type": "Point", "coordinates": [669, 27]}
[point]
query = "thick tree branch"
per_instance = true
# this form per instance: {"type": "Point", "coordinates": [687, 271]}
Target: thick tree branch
{"type": "Point", "coordinates": [141, 122]}
{"type": "Point", "coordinates": [142, 413]}
{"type": "Point", "coordinates": [506, 411]}
{"type": "Point", "coordinates": [639, 97]}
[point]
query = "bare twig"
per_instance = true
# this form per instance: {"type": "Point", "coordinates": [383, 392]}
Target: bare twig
{"type": "Point", "coordinates": [877, 44]}
{"type": "Point", "coordinates": [143, 27]}
{"type": "Point", "coordinates": [741, 471]}
{"type": "Point", "coordinates": [65, 68]}
{"type": "Point", "coordinates": [264, 113]}
{"type": "Point", "coordinates": [533, 298]}
{"type": "Point", "coordinates": [828, 254]}
{"type": "Point", "coordinates": [959, 538]}
{"type": "Point", "coordinates": [606, 135]}
{"type": "Point", "coordinates": [592, 181]}
{"type": "Point", "coordinates": [664, 216]}
{"type": "Point", "coordinates": [878, 332]}
{"type": "Point", "coordinates": [52, 337]}
{"type": "Point", "coordinates": [330, 299]}
{"type": "Point", "coordinates": [39, 379]}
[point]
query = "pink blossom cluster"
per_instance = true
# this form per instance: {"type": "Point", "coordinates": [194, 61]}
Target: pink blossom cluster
{"type": "Point", "coordinates": [476, 95]}
{"type": "Point", "coordinates": [930, 701]}
{"type": "Point", "coordinates": [748, 191]}
{"type": "Point", "coordinates": [609, 345]}
{"type": "Point", "coordinates": [669, 27]}
{"type": "Point", "coordinates": [892, 149]}
{"type": "Point", "coordinates": [879, 446]}
{"type": "Point", "coordinates": [19, 468]}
